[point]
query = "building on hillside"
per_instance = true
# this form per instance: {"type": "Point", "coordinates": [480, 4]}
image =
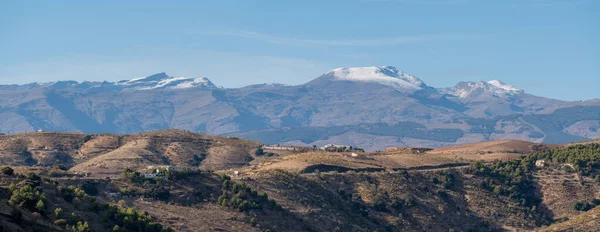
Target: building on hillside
{"type": "Point", "coordinates": [408, 150]}
{"type": "Point", "coordinates": [170, 167]}
{"type": "Point", "coordinates": [540, 163]}
{"type": "Point", "coordinates": [280, 148]}
{"type": "Point", "coordinates": [40, 130]}
{"type": "Point", "coordinates": [165, 167]}
{"type": "Point", "coordinates": [149, 175]}
{"type": "Point", "coordinates": [567, 165]}
{"type": "Point", "coordinates": [332, 146]}
{"type": "Point", "coordinates": [114, 195]}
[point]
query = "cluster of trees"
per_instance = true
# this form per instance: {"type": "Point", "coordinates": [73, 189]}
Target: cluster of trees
{"type": "Point", "coordinates": [584, 157]}
{"type": "Point", "coordinates": [31, 197]}
{"type": "Point", "coordinates": [514, 178]}
{"type": "Point", "coordinates": [80, 227]}
{"type": "Point", "coordinates": [241, 197]}
{"type": "Point", "coordinates": [73, 223]}
{"type": "Point", "coordinates": [6, 170]}
{"type": "Point", "coordinates": [517, 173]}
{"type": "Point", "coordinates": [260, 152]}
{"type": "Point", "coordinates": [134, 176]}
{"type": "Point", "coordinates": [71, 192]}
{"type": "Point", "coordinates": [585, 206]}
{"type": "Point", "coordinates": [197, 160]}
{"type": "Point", "coordinates": [160, 193]}
{"type": "Point", "coordinates": [447, 179]}
{"type": "Point", "coordinates": [508, 178]}
{"type": "Point", "coordinates": [28, 197]}
{"type": "Point", "coordinates": [128, 219]}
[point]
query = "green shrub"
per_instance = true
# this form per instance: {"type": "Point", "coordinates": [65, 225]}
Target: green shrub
{"type": "Point", "coordinates": [586, 206]}
{"type": "Point", "coordinates": [379, 202]}
{"type": "Point", "coordinates": [80, 227]}
{"type": "Point", "coordinates": [259, 151]}
{"type": "Point", "coordinates": [27, 197]}
{"type": "Point", "coordinates": [40, 206]}
{"type": "Point", "coordinates": [58, 213]}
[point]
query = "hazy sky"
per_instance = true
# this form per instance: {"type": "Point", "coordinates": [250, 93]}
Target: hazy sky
{"type": "Point", "coordinates": [547, 47]}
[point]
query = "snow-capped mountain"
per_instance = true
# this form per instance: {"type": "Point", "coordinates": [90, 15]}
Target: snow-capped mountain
{"type": "Point", "coordinates": [493, 88]}
{"type": "Point", "coordinates": [163, 81]}
{"type": "Point", "coordinates": [370, 107]}
{"type": "Point", "coordinates": [385, 75]}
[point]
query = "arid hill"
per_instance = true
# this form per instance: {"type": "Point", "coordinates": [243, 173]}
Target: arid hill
{"type": "Point", "coordinates": [109, 154]}
{"type": "Point", "coordinates": [226, 184]}
{"type": "Point", "coordinates": [588, 221]}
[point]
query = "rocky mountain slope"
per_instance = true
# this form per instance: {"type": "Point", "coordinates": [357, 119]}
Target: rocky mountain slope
{"type": "Point", "coordinates": [369, 107]}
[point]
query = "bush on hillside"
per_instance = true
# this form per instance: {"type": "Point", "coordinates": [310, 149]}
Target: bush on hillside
{"type": "Point", "coordinates": [6, 170]}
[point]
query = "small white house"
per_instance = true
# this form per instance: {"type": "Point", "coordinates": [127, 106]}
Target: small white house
{"type": "Point", "coordinates": [332, 145]}
{"type": "Point", "coordinates": [236, 172]}
{"type": "Point", "coordinates": [113, 194]}
{"type": "Point", "coordinates": [354, 155]}
{"type": "Point", "coordinates": [567, 165]}
{"type": "Point", "coordinates": [149, 175]}
{"type": "Point", "coordinates": [540, 163]}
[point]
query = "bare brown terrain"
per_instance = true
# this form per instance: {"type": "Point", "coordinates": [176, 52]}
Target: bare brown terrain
{"type": "Point", "coordinates": [106, 155]}
{"type": "Point", "coordinates": [396, 190]}
{"type": "Point", "coordinates": [588, 221]}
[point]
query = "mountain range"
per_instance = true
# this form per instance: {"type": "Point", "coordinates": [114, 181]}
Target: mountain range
{"type": "Point", "coordinates": [368, 107]}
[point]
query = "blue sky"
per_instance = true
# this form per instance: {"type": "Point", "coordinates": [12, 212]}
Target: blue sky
{"type": "Point", "coordinates": [547, 47]}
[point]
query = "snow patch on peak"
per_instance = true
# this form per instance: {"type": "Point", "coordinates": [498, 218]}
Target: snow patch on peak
{"type": "Point", "coordinates": [503, 86]}
{"type": "Point", "coordinates": [163, 81]}
{"type": "Point", "coordinates": [494, 88]}
{"type": "Point", "coordinates": [385, 75]}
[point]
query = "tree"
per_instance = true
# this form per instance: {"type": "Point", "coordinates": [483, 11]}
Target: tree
{"type": "Point", "coordinates": [40, 206]}
{"type": "Point", "coordinates": [379, 202]}
{"type": "Point", "coordinates": [259, 151]}
{"type": "Point", "coordinates": [57, 213]}
{"type": "Point", "coordinates": [116, 228]}
{"type": "Point", "coordinates": [73, 219]}
{"type": "Point", "coordinates": [81, 227]}
{"type": "Point", "coordinates": [6, 170]}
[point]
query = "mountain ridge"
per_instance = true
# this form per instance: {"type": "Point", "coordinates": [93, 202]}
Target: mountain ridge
{"type": "Point", "coordinates": [370, 107]}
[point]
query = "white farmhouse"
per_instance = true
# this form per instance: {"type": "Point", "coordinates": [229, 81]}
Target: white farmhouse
{"type": "Point", "coordinates": [540, 163]}
{"type": "Point", "coordinates": [149, 175]}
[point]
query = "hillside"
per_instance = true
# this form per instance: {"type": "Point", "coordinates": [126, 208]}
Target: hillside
{"type": "Point", "coordinates": [106, 154]}
{"type": "Point", "coordinates": [367, 107]}
{"type": "Point", "coordinates": [588, 221]}
{"type": "Point", "coordinates": [401, 189]}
